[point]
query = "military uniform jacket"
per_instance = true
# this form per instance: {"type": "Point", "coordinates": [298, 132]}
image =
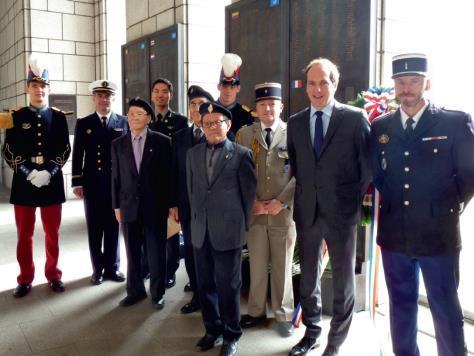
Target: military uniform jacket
{"type": "Point", "coordinates": [91, 158]}
{"type": "Point", "coordinates": [241, 116]}
{"type": "Point", "coordinates": [274, 180]}
{"type": "Point", "coordinates": [168, 125]}
{"type": "Point", "coordinates": [222, 206]}
{"type": "Point", "coordinates": [423, 180]}
{"type": "Point", "coordinates": [37, 141]}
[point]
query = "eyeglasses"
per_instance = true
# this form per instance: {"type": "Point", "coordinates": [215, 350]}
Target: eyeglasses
{"type": "Point", "coordinates": [209, 124]}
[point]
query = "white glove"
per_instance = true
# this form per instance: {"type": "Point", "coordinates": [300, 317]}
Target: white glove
{"type": "Point", "coordinates": [42, 178]}
{"type": "Point", "coordinates": [32, 174]}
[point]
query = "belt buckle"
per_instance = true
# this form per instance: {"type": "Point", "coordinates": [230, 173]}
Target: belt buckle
{"type": "Point", "coordinates": [39, 160]}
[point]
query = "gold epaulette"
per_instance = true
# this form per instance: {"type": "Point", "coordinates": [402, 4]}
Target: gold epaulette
{"type": "Point", "coordinates": [6, 120]}
{"type": "Point", "coordinates": [69, 112]}
{"type": "Point", "coordinates": [250, 111]}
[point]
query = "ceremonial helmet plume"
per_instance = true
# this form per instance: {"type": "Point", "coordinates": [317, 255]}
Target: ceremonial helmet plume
{"type": "Point", "coordinates": [37, 72]}
{"type": "Point", "coordinates": [231, 63]}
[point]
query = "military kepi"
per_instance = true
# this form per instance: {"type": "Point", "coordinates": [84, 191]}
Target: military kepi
{"type": "Point", "coordinates": [209, 108]}
{"type": "Point", "coordinates": [268, 91]}
{"type": "Point", "coordinates": [37, 72]}
{"type": "Point", "coordinates": [103, 85]}
{"type": "Point", "coordinates": [195, 91]}
{"type": "Point", "coordinates": [409, 64]}
{"type": "Point", "coordinates": [230, 73]}
{"type": "Point", "coordinates": [142, 104]}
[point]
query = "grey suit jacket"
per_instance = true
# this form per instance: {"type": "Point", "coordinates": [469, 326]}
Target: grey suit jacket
{"type": "Point", "coordinates": [223, 206]}
{"type": "Point", "coordinates": [332, 186]}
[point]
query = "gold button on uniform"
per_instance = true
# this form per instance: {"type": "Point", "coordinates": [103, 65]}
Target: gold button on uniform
{"type": "Point", "coordinates": [407, 169]}
{"type": "Point", "coordinates": [99, 169]}
{"type": "Point", "coordinates": [406, 202]}
{"type": "Point", "coordinates": [39, 143]}
{"type": "Point", "coordinates": [39, 124]}
{"type": "Point", "coordinates": [435, 150]}
{"type": "Point", "coordinates": [98, 161]}
{"type": "Point", "coordinates": [407, 153]}
{"type": "Point", "coordinates": [406, 186]}
{"type": "Point", "coordinates": [39, 133]}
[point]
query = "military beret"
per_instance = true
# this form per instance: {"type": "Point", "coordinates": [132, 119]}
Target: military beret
{"type": "Point", "coordinates": [268, 91]}
{"type": "Point", "coordinates": [209, 108]}
{"type": "Point", "coordinates": [103, 85]}
{"type": "Point", "coordinates": [195, 91]}
{"type": "Point", "coordinates": [142, 104]}
{"type": "Point", "coordinates": [409, 64]}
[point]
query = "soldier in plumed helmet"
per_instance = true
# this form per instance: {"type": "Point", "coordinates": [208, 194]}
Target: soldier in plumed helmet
{"type": "Point", "coordinates": [36, 148]}
{"type": "Point", "coordinates": [229, 87]}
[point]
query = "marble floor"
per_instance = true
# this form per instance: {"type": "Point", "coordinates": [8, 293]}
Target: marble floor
{"type": "Point", "coordinates": [86, 320]}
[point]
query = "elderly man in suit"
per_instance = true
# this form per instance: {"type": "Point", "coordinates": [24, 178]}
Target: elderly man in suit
{"type": "Point", "coordinates": [91, 177]}
{"type": "Point", "coordinates": [328, 145]}
{"type": "Point", "coordinates": [141, 185]}
{"type": "Point", "coordinates": [183, 140]}
{"type": "Point", "coordinates": [272, 235]}
{"type": "Point", "coordinates": [221, 186]}
{"type": "Point", "coordinates": [423, 165]}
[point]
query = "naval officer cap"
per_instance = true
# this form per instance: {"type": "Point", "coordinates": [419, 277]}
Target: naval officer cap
{"type": "Point", "coordinates": [409, 64]}
{"type": "Point", "coordinates": [103, 85]}
{"type": "Point", "coordinates": [209, 108]}
{"type": "Point", "coordinates": [265, 91]}
{"type": "Point", "coordinates": [138, 102]}
{"type": "Point", "coordinates": [195, 91]}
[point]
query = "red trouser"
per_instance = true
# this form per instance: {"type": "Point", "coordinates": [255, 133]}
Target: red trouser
{"type": "Point", "coordinates": [25, 223]}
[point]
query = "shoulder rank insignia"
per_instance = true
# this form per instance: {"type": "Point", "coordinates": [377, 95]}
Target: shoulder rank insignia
{"type": "Point", "coordinates": [384, 138]}
{"type": "Point", "coordinates": [250, 111]}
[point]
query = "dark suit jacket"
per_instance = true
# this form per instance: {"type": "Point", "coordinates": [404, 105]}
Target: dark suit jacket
{"type": "Point", "coordinates": [30, 137]}
{"type": "Point", "coordinates": [183, 140]}
{"type": "Point", "coordinates": [91, 158]}
{"type": "Point", "coordinates": [420, 208]}
{"type": "Point", "coordinates": [332, 186]}
{"type": "Point", "coordinates": [146, 194]}
{"type": "Point", "coordinates": [221, 207]}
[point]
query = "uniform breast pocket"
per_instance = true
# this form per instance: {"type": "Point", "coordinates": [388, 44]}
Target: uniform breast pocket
{"type": "Point", "coordinates": [438, 153]}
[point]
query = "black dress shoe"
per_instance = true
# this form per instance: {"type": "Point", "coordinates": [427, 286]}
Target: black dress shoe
{"type": "Point", "coordinates": [304, 346]}
{"type": "Point", "coordinates": [171, 282]}
{"type": "Point", "coordinates": [131, 300]}
{"type": "Point", "coordinates": [57, 286]}
{"type": "Point", "coordinates": [96, 279]}
{"type": "Point", "coordinates": [190, 307]}
{"type": "Point", "coordinates": [249, 321]}
{"type": "Point", "coordinates": [208, 341]}
{"type": "Point", "coordinates": [158, 303]}
{"type": "Point", "coordinates": [331, 351]}
{"type": "Point", "coordinates": [187, 287]}
{"type": "Point", "coordinates": [229, 348]}
{"type": "Point", "coordinates": [115, 276]}
{"type": "Point", "coordinates": [21, 290]}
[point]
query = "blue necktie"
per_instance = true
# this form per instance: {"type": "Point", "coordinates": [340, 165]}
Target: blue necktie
{"type": "Point", "coordinates": [318, 134]}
